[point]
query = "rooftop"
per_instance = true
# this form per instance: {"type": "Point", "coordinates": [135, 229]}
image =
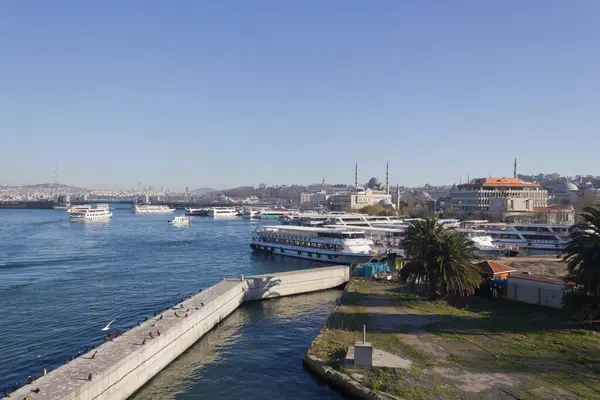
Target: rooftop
{"type": "Point", "coordinates": [493, 267]}
{"type": "Point", "coordinates": [494, 182]}
{"type": "Point", "coordinates": [538, 278]}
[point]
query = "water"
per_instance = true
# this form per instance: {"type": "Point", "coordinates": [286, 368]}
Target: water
{"type": "Point", "coordinates": [61, 282]}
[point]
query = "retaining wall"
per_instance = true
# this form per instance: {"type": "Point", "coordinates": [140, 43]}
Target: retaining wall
{"type": "Point", "coordinates": [121, 366]}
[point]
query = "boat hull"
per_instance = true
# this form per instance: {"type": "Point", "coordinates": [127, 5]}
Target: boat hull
{"type": "Point", "coordinates": [310, 254]}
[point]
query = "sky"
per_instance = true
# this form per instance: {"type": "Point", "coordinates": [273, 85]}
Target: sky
{"type": "Point", "coordinates": [228, 93]}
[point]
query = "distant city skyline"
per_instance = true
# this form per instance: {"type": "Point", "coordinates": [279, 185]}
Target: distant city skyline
{"type": "Point", "coordinates": [233, 93]}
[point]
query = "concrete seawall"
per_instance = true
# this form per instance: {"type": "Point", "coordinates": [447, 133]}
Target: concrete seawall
{"type": "Point", "coordinates": [119, 367]}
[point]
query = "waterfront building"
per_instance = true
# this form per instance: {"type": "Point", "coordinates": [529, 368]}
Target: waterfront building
{"type": "Point", "coordinates": [359, 198]}
{"type": "Point", "coordinates": [476, 195]}
{"type": "Point", "coordinates": [314, 199]}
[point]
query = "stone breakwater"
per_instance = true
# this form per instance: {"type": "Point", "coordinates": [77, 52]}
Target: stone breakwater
{"type": "Point", "coordinates": [119, 367]}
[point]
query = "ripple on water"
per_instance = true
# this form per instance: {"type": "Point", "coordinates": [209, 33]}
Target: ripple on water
{"type": "Point", "coordinates": [60, 283]}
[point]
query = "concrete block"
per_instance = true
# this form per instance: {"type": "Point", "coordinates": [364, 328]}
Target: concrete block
{"type": "Point", "coordinates": [363, 354]}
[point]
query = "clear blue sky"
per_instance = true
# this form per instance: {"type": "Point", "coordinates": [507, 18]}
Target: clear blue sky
{"type": "Point", "coordinates": [227, 93]}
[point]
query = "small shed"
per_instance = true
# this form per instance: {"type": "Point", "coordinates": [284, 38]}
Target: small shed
{"type": "Point", "coordinates": [494, 270]}
{"type": "Point", "coordinates": [535, 289]}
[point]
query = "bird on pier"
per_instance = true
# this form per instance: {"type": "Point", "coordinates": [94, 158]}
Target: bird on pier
{"type": "Point", "coordinates": [188, 310]}
{"type": "Point", "coordinates": [199, 291]}
{"type": "Point", "coordinates": [29, 379]}
{"type": "Point", "coordinates": [202, 304]}
{"type": "Point", "coordinates": [157, 332]}
{"type": "Point", "coordinates": [90, 377]}
{"type": "Point", "coordinates": [6, 393]}
{"type": "Point", "coordinates": [145, 319]}
{"type": "Point", "coordinates": [161, 316]}
{"type": "Point", "coordinates": [44, 371]}
{"type": "Point", "coordinates": [176, 314]}
{"type": "Point", "coordinates": [186, 315]}
{"type": "Point", "coordinates": [143, 342]}
{"type": "Point", "coordinates": [138, 323]}
{"type": "Point", "coordinates": [151, 337]}
{"type": "Point", "coordinates": [36, 390]}
{"type": "Point", "coordinates": [94, 355]}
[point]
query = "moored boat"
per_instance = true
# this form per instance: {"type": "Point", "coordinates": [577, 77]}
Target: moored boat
{"type": "Point", "coordinates": [319, 244]}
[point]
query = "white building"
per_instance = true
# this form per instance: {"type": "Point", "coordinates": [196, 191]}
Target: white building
{"type": "Point", "coordinates": [476, 195]}
{"type": "Point", "coordinates": [314, 199]}
{"type": "Point", "coordinates": [359, 198]}
{"type": "Point", "coordinates": [538, 290]}
{"type": "Point", "coordinates": [510, 204]}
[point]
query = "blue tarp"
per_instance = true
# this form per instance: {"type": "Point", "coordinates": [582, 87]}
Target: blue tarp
{"type": "Point", "coordinates": [498, 282]}
{"type": "Point", "coordinates": [368, 270]}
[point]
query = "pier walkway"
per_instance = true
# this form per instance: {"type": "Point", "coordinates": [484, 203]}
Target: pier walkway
{"type": "Point", "coordinates": [119, 367]}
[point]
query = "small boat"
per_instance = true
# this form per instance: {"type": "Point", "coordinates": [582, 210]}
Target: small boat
{"type": "Point", "coordinates": [180, 220]}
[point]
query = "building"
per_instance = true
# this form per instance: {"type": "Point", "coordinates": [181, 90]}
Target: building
{"type": "Point", "coordinates": [510, 204]}
{"type": "Point", "coordinates": [495, 270]}
{"type": "Point", "coordinates": [539, 290]}
{"type": "Point", "coordinates": [475, 196]}
{"type": "Point", "coordinates": [359, 198]}
{"type": "Point", "coordinates": [564, 193]}
{"type": "Point", "coordinates": [314, 199]}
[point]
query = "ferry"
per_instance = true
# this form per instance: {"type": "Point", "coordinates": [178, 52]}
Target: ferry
{"type": "Point", "coordinates": [180, 220]}
{"type": "Point", "coordinates": [385, 239]}
{"type": "Point", "coordinates": [76, 208]}
{"type": "Point", "coordinates": [271, 214]}
{"type": "Point", "coordinates": [319, 244]}
{"type": "Point", "coordinates": [197, 212]}
{"type": "Point", "coordinates": [91, 213]}
{"type": "Point", "coordinates": [222, 212]}
{"type": "Point", "coordinates": [482, 241]}
{"type": "Point", "coordinates": [338, 218]}
{"type": "Point", "coordinates": [527, 236]}
{"type": "Point", "coordinates": [249, 213]}
{"type": "Point", "coordinates": [151, 209]}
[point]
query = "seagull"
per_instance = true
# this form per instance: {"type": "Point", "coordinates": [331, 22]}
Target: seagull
{"type": "Point", "coordinates": [107, 327]}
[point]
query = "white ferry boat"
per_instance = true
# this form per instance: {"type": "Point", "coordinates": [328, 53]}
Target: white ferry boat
{"type": "Point", "coordinates": [249, 213]}
{"type": "Point", "coordinates": [385, 239]}
{"type": "Point", "coordinates": [339, 218]}
{"type": "Point", "coordinates": [482, 241]}
{"type": "Point", "coordinates": [76, 208]}
{"type": "Point", "coordinates": [91, 213]}
{"type": "Point", "coordinates": [528, 236]}
{"type": "Point", "coordinates": [151, 209]}
{"type": "Point", "coordinates": [320, 244]}
{"type": "Point", "coordinates": [222, 212]}
{"type": "Point", "coordinates": [180, 220]}
{"type": "Point", "coordinates": [197, 212]}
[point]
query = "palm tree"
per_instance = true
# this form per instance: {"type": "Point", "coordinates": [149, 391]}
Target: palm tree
{"type": "Point", "coordinates": [582, 252]}
{"type": "Point", "coordinates": [440, 258]}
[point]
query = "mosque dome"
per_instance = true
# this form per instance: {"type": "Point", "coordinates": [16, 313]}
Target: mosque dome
{"type": "Point", "coordinates": [565, 187]}
{"type": "Point", "coordinates": [386, 202]}
{"type": "Point", "coordinates": [373, 183]}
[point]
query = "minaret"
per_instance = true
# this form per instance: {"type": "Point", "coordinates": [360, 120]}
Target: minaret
{"type": "Point", "coordinates": [356, 176]}
{"type": "Point", "coordinates": [515, 169]}
{"type": "Point", "coordinates": [387, 178]}
{"type": "Point", "coordinates": [398, 197]}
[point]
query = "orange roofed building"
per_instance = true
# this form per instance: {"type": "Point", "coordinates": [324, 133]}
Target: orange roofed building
{"type": "Point", "coordinates": [475, 196]}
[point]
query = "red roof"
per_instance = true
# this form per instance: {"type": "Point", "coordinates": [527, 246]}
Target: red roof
{"type": "Point", "coordinates": [493, 267]}
{"type": "Point", "coordinates": [539, 278]}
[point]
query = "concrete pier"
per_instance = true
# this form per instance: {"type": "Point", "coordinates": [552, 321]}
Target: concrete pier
{"type": "Point", "coordinates": [117, 368]}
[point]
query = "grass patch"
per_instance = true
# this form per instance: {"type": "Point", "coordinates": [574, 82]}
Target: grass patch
{"type": "Point", "coordinates": [488, 335]}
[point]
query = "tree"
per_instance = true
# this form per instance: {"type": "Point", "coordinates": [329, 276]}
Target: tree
{"type": "Point", "coordinates": [441, 259]}
{"type": "Point", "coordinates": [582, 252]}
